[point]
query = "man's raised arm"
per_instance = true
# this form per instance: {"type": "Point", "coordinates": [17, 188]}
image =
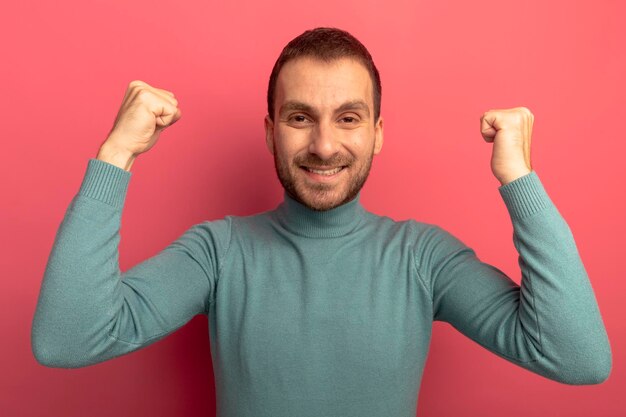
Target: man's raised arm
{"type": "Point", "coordinates": [551, 324]}
{"type": "Point", "coordinates": [88, 311]}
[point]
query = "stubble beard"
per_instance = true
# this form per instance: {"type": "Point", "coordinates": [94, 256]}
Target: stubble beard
{"type": "Point", "coordinates": [320, 196]}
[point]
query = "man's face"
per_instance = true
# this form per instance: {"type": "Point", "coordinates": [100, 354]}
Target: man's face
{"type": "Point", "coordinates": [324, 120]}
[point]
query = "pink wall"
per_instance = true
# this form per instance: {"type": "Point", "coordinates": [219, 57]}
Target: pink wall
{"type": "Point", "coordinates": [65, 67]}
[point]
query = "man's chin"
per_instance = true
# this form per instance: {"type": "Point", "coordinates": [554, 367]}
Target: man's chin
{"type": "Point", "coordinates": [320, 200]}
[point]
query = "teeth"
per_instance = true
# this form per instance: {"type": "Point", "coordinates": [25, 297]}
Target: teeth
{"type": "Point", "coordinates": [328, 172]}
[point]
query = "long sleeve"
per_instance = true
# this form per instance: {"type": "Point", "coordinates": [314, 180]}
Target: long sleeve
{"type": "Point", "coordinates": [88, 311]}
{"type": "Point", "coordinates": [551, 323]}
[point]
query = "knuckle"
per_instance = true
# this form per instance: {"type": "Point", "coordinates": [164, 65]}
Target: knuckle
{"type": "Point", "coordinates": [135, 83]}
{"type": "Point", "coordinates": [144, 94]}
{"type": "Point", "coordinates": [528, 115]}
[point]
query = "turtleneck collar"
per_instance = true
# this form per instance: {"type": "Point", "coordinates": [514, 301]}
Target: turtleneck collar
{"type": "Point", "coordinates": [301, 220]}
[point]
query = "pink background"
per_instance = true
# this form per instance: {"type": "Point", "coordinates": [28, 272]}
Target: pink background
{"type": "Point", "coordinates": [66, 65]}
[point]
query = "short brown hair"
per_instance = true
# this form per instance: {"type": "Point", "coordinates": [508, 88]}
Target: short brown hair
{"type": "Point", "coordinates": [326, 44]}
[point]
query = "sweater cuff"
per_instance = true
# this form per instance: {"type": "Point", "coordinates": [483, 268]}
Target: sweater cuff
{"type": "Point", "coordinates": [525, 196]}
{"type": "Point", "coordinates": [105, 182]}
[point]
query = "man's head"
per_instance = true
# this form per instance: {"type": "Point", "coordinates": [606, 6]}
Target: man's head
{"type": "Point", "coordinates": [324, 113]}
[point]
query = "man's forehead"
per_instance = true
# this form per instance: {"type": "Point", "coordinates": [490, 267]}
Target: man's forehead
{"type": "Point", "coordinates": [346, 69]}
{"type": "Point", "coordinates": [343, 83]}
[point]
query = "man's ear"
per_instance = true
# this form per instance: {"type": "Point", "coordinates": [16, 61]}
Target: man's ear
{"type": "Point", "coordinates": [378, 141]}
{"type": "Point", "coordinates": [269, 133]}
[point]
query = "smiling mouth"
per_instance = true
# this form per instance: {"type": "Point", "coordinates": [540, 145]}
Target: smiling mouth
{"type": "Point", "coordinates": [325, 172]}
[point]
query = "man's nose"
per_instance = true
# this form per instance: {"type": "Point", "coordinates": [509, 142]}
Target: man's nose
{"type": "Point", "coordinates": [324, 141]}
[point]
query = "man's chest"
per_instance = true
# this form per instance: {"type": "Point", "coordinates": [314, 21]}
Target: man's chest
{"type": "Point", "coordinates": [309, 313]}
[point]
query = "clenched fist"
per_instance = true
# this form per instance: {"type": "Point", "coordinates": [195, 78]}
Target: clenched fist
{"type": "Point", "coordinates": [145, 112]}
{"type": "Point", "coordinates": [510, 131]}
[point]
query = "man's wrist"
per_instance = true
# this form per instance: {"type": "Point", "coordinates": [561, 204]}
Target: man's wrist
{"type": "Point", "coordinates": [513, 176]}
{"type": "Point", "coordinates": [121, 158]}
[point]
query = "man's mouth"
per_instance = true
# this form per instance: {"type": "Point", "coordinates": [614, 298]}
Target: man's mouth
{"type": "Point", "coordinates": [325, 171]}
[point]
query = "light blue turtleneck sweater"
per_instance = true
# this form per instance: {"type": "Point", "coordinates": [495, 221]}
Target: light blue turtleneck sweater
{"type": "Point", "coordinates": [318, 313]}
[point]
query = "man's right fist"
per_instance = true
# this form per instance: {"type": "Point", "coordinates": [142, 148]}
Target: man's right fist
{"type": "Point", "coordinates": [144, 113]}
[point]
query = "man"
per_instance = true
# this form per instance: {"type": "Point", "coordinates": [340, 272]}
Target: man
{"type": "Point", "coordinates": [318, 307]}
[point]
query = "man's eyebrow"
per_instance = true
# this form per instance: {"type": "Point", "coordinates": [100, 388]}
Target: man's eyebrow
{"type": "Point", "coordinates": [354, 105]}
{"type": "Point", "coordinates": [348, 105]}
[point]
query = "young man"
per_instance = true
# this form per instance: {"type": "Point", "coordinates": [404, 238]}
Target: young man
{"type": "Point", "coordinates": [318, 307]}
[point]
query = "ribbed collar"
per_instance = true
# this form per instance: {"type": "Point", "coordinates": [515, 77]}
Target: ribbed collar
{"type": "Point", "coordinates": [301, 220]}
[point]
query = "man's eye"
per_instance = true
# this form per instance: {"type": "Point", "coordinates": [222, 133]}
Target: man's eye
{"type": "Point", "coordinates": [349, 119]}
{"type": "Point", "coordinates": [299, 118]}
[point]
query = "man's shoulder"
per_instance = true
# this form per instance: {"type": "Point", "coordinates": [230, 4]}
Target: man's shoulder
{"type": "Point", "coordinates": [408, 226]}
{"type": "Point", "coordinates": [224, 226]}
{"type": "Point", "coordinates": [428, 240]}
{"type": "Point", "coordinates": [215, 236]}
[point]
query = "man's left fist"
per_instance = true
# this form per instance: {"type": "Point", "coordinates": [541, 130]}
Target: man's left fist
{"type": "Point", "coordinates": [510, 131]}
